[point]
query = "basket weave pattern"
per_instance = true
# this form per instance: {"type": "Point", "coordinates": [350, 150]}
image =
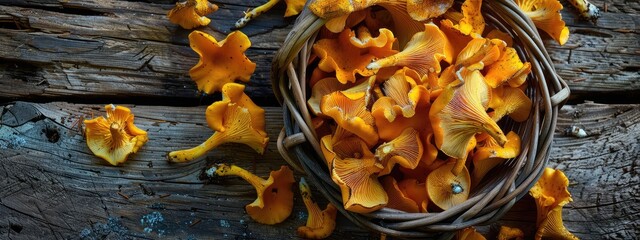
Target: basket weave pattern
{"type": "Point", "coordinates": [298, 142]}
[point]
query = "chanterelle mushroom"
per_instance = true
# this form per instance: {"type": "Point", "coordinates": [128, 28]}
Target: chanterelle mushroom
{"type": "Point", "coordinates": [457, 115]}
{"type": "Point", "coordinates": [358, 181]}
{"type": "Point", "coordinates": [320, 224]}
{"type": "Point", "coordinates": [191, 13]}
{"type": "Point", "coordinates": [446, 189]}
{"type": "Point", "coordinates": [294, 7]}
{"type": "Point", "coordinates": [275, 198]}
{"type": "Point", "coordinates": [509, 233]}
{"type": "Point", "coordinates": [115, 137]}
{"type": "Point", "coordinates": [551, 194]}
{"type": "Point", "coordinates": [469, 234]}
{"type": "Point", "coordinates": [545, 14]}
{"type": "Point", "coordinates": [351, 115]}
{"type": "Point", "coordinates": [236, 119]}
{"type": "Point", "coordinates": [220, 62]}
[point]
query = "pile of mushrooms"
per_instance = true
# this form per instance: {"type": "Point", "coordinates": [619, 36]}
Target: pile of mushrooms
{"type": "Point", "coordinates": [403, 93]}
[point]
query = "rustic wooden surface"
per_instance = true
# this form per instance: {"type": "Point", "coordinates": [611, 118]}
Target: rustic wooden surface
{"type": "Point", "coordinates": [63, 60]}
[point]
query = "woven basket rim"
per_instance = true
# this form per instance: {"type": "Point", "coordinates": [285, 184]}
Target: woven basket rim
{"type": "Point", "coordinates": [298, 144]}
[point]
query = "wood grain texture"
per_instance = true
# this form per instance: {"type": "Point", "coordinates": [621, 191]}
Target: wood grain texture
{"type": "Point", "coordinates": [54, 186]}
{"type": "Point", "coordinates": [77, 50]}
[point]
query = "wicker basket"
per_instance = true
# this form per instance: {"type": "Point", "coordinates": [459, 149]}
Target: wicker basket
{"type": "Point", "coordinates": [512, 180]}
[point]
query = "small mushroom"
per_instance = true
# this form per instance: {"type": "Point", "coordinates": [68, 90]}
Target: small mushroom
{"type": "Point", "coordinates": [457, 39]}
{"type": "Point", "coordinates": [472, 22]}
{"type": "Point", "coordinates": [235, 119]}
{"type": "Point", "coordinates": [390, 120]}
{"type": "Point", "coordinates": [506, 100]}
{"type": "Point", "coordinates": [405, 92]}
{"type": "Point", "coordinates": [320, 224]}
{"type": "Point", "coordinates": [380, 46]}
{"type": "Point", "coordinates": [220, 62]}
{"type": "Point", "coordinates": [397, 199]}
{"type": "Point", "coordinates": [351, 115]}
{"type": "Point", "coordinates": [416, 191]}
{"type": "Point", "coordinates": [469, 234]}
{"type": "Point", "coordinates": [422, 53]}
{"type": "Point", "coordinates": [344, 58]}
{"type": "Point", "coordinates": [115, 137]}
{"type": "Point", "coordinates": [545, 14]}
{"type": "Point", "coordinates": [491, 154]}
{"type": "Point", "coordinates": [509, 68]}
{"type": "Point", "coordinates": [191, 13]}
{"type": "Point", "coordinates": [510, 233]}
{"type": "Point", "coordinates": [322, 88]}
{"type": "Point", "coordinates": [446, 189]}
{"type": "Point", "coordinates": [458, 114]}
{"type": "Point", "coordinates": [405, 150]}
{"type": "Point", "coordinates": [294, 7]}
{"type": "Point", "coordinates": [497, 34]}
{"type": "Point", "coordinates": [551, 194]}
{"type": "Point", "coordinates": [480, 52]}
{"type": "Point", "coordinates": [347, 147]}
{"type": "Point", "coordinates": [275, 198]}
{"type": "Point", "coordinates": [358, 181]}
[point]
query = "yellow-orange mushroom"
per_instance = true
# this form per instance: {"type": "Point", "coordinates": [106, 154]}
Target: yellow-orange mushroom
{"type": "Point", "coordinates": [235, 119]}
{"type": "Point", "coordinates": [446, 189]}
{"type": "Point", "coordinates": [320, 224]}
{"type": "Point", "coordinates": [344, 58]}
{"type": "Point", "coordinates": [509, 68]}
{"type": "Point", "coordinates": [480, 52]}
{"type": "Point", "coordinates": [416, 191]}
{"type": "Point", "coordinates": [191, 13]}
{"type": "Point", "coordinates": [275, 198]}
{"type": "Point", "coordinates": [351, 115]}
{"type": "Point", "coordinates": [397, 199]}
{"type": "Point", "coordinates": [422, 53]}
{"type": "Point", "coordinates": [358, 181]}
{"type": "Point", "coordinates": [405, 150]}
{"type": "Point", "coordinates": [294, 7]}
{"type": "Point", "coordinates": [545, 14]}
{"type": "Point", "coordinates": [472, 21]}
{"type": "Point", "coordinates": [457, 115]}
{"type": "Point", "coordinates": [551, 194]}
{"type": "Point", "coordinates": [220, 62]}
{"type": "Point", "coordinates": [491, 154]}
{"type": "Point", "coordinates": [506, 100]}
{"type": "Point", "coordinates": [510, 233]}
{"type": "Point", "coordinates": [115, 137]}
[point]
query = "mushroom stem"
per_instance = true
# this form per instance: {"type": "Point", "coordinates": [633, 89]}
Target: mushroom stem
{"type": "Point", "coordinates": [117, 134]}
{"type": "Point", "coordinates": [226, 170]}
{"type": "Point", "coordinates": [385, 62]}
{"type": "Point", "coordinates": [193, 153]}
{"type": "Point", "coordinates": [312, 207]}
{"type": "Point", "coordinates": [253, 13]}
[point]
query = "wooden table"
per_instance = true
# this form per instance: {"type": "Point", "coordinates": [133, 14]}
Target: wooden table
{"type": "Point", "coordinates": [61, 61]}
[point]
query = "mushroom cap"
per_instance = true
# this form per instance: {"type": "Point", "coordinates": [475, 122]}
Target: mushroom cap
{"type": "Point", "coordinates": [510, 233]}
{"type": "Point", "coordinates": [358, 181]}
{"type": "Point", "coordinates": [191, 13]}
{"type": "Point", "coordinates": [447, 190]}
{"type": "Point", "coordinates": [507, 67]}
{"type": "Point", "coordinates": [344, 58]}
{"type": "Point", "coordinates": [416, 191]}
{"type": "Point", "coordinates": [460, 114]}
{"type": "Point", "coordinates": [552, 227]}
{"type": "Point", "coordinates": [351, 115]}
{"type": "Point", "coordinates": [380, 46]}
{"type": "Point", "coordinates": [320, 224]}
{"type": "Point", "coordinates": [480, 52]}
{"type": "Point", "coordinates": [491, 154]}
{"type": "Point", "coordinates": [338, 24]}
{"type": "Point", "coordinates": [506, 100]}
{"type": "Point", "coordinates": [472, 21]}
{"type": "Point", "coordinates": [549, 192]}
{"type": "Point", "coordinates": [220, 62]}
{"type": "Point", "coordinates": [233, 93]}
{"type": "Point", "coordinates": [341, 148]}
{"type": "Point", "coordinates": [275, 201]}
{"type": "Point", "coordinates": [457, 39]}
{"type": "Point", "coordinates": [497, 34]}
{"type": "Point", "coordinates": [397, 199]}
{"type": "Point", "coordinates": [545, 14]}
{"type": "Point", "coordinates": [115, 137]}
{"type": "Point", "coordinates": [422, 53]}
{"type": "Point", "coordinates": [405, 150]}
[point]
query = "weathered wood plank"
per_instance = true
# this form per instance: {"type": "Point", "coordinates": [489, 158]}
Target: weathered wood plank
{"type": "Point", "coordinates": [54, 186]}
{"type": "Point", "coordinates": [119, 49]}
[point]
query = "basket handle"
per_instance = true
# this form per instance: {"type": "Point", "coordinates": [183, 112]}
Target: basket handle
{"type": "Point", "coordinates": [285, 143]}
